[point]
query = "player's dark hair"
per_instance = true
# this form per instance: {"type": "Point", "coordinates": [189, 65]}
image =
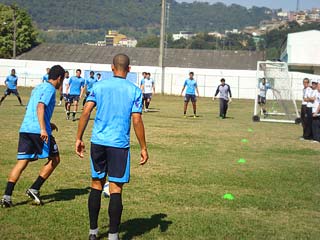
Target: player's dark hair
{"type": "Point", "coordinates": [191, 73]}
{"type": "Point", "coordinates": [144, 73]}
{"type": "Point", "coordinates": [67, 71]}
{"type": "Point", "coordinates": [56, 72]}
{"type": "Point", "coordinates": [91, 72]}
{"type": "Point", "coordinates": [306, 79]}
{"type": "Point", "coordinates": [78, 70]}
{"type": "Point", "coordinates": [121, 62]}
{"type": "Point", "coordinates": [222, 80]}
{"type": "Point", "coordinates": [99, 74]}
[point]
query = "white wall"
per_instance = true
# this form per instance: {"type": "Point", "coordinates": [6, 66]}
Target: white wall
{"type": "Point", "coordinates": [243, 82]}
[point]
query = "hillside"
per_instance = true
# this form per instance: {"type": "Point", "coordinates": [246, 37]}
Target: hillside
{"type": "Point", "coordinates": [138, 17]}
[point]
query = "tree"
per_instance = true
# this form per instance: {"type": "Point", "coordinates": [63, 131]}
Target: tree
{"type": "Point", "coordinates": [26, 34]}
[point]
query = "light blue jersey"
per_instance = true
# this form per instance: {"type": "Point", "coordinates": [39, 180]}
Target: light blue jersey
{"type": "Point", "coordinates": [45, 78]}
{"type": "Point", "coordinates": [191, 85]}
{"type": "Point", "coordinates": [75, 85]}
{"type": "Point", "coordinates": [11, 82]}
{"type": "Point", "coordinates": [116, 99]}
{"type": "Point", "coordinates": [44, 93]}
{"type": "Point", "coordinates": [89, 83]}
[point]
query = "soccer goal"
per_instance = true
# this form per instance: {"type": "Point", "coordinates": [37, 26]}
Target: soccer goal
{"type": "Point", "coordinates": [278, 104]}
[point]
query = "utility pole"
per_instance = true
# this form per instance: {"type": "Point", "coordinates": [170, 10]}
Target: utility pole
{"type": "Point", "coordinates": [162, 40]}
{"type": "Point", "coordinates": [14, 48]}
{"type": "Point", "coordinates": [298, 5]}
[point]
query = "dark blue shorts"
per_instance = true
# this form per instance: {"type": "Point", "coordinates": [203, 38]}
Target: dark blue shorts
{"type": "Point", "coordinates": [73, 98]}
{"type": "Point", "coordinates": [262, 100]}
{"type": "Point", "coordinates": [111, 161]}
{"type": "Point", "coordinates": [189, 97]}
{"type": "Point", "coordinates": [31, 147]}
{"type": "Point", "coordinates": [147, 96]}
{"type": "Point", "coordinates": [8, 91]}
{"type": "Point", "coordinates": [65, 97]}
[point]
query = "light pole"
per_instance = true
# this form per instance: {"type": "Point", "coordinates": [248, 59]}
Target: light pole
{"type": "Point", "coordinates": [14, 48]}
{"type": "Point", "coordinates": [162, 40]}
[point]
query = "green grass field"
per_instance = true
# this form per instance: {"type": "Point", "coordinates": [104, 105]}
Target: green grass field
{"type": "Point", "coordinates": [179, 193]}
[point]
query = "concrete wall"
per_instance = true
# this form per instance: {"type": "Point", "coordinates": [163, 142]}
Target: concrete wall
{"type": "Point", "coordinates": [243, 82]}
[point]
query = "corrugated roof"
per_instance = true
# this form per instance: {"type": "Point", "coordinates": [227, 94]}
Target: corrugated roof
{"type": "Point", "coordinates": [145, 56]}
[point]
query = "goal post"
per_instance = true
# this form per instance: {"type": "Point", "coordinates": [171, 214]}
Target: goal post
{"type": "Point", "coordinates": [275, 84]}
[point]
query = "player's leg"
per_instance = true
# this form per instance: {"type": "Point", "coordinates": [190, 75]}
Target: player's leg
{"type": "Point", "coordinates": [51, 151]}
{"type": "Point", "coordinates": [316, 129]}
{"type": "Point", "coordinates": [6, 93]}
{"type": "Point", "coordinates": [69, 102]}
{"type": "Point", "coordinates": [98, 163]}
{"type": "Point", "coordinates": [303, 118]}
{"type": "Point", "coordinates": [148, 100]}
{"type": "Point", "coordinates": [221, 108]}
{"type": "Point", "coordinates": [226, 105]}
{"type": "Point", "coordinates": [194, 105]}
{"type": "Point", "coordinates": [12, 180]}
{"type": "Point", "coordinates": [75, 108]}
{"type": "Point", "coordinates": [118, 175]}
{"type": "Point", "coordinates": [18, 96]}
{"type": "Point", "coordinates": [186, 102]}
{"type": "Point", "coordinates": [309, 135]}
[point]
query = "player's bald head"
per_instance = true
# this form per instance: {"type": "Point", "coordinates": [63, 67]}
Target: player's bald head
{"type": "Point", "coordinates": [121, 62]}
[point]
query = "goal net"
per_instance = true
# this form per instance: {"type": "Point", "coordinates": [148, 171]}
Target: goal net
{"type": "Point", "coordinates": [274, 101]}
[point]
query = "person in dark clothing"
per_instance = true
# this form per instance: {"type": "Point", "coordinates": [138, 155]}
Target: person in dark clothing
{"type": "Point", "coordinates": [225, 91]}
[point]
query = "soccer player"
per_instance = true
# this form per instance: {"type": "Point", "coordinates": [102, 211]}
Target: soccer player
{"type": "Point", "coordinates": [310, 98]}
{"type": "Point", "coordinates": [192, 87]}
{"type": "Point", "coordinates": [316, 115]}
{"type": "Point", "coordinates": [263, 88]}
{"type": "Point", "coordinates": [99, 77]}
{"type": "Point", "coordinates": [75, 89]}
{"type": "Point", "coordinates": [144, 76]}
{"type": "Point", "coordinates": [307, 132]}
{"type": "Point", "coordinates": [11, 83]}
{"type": "Point", "coordinates": [118, 101]}
{"type": "Point", "coordinates": [65, 92]}
{"type": "Point", "coordinates": [224, 90]}
{"type": "Point", "coordinates": [88, 85]}
{"type": "Point", "coordinates": [35, 137]}
{"type": "Point", "coordinates": [45, 77]}
{"type": "Point", "coordinates": [147, 87]}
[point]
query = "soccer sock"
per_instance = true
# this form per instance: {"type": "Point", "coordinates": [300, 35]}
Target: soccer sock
{"type": "Point", "coordinates": [38, 183]}
{"type": "Point", "coordinates": [74, 114]}
{"type": "Point", "coordinates": [147, 105]}
{"type": "Point", "coordinates": [94, 204]}
{"type": "Point", "coordinates": [115, 211]}
{"type": "Point", "coordinates": [184, 112]}
{"type": "Point", "coordinates": [9, 188]}
{"type": "Point", "coordinates": [195, 112]}
{"type": "Point", "coordinates": [68, 113]}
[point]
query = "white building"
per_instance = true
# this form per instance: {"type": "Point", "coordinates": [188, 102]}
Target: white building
{"type": "Point", "coordinates": [302, 51]}
{"type": "Point", "coordinates": [183, 34]}
{"type": "Point", "coordinates": [126, 42]}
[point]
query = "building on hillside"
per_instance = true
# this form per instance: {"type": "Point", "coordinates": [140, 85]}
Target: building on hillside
{"type": "Point", "coordinates": [183, 34]}
{"type": "Point", "coordinates": [113, 38]}
{"type": "Point", "coordinates": [301, 51]}
{"type": "Point", "coordinates": [216, 34]}
{"type": "Point", "coordinates": [127, 42]}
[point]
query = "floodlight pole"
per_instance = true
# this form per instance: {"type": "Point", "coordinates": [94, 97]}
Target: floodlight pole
{"type": "Point", "coordinates": [162, 39]}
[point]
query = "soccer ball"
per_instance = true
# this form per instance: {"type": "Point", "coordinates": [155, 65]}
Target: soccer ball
{"type": "Point", "coordinates": [106, 192]}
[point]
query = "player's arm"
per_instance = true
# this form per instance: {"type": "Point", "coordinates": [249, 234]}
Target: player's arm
{"type": "Point", "coordinates": [216, 94]}
{"type": "Point", "coordinates": [197, 91]}
{"type": "Point", "coordinates": [153, 88]}
{"type": "Point", "coordinates": [83, 122]}
{"type": "Point", "coordinates": [140, 133]}
{"type": "Point", "coordinates": [229, 91]}
{"type": "Point", "coordinates": [82, 91]}
{"type": "Point", "coordinates": [67, 88]}
{"type": "Point", "coordinates": [184, 86]}
{"type": "Point", "coordinates": [317, 112]}
{"type": "Point", "coordinates": [43, 131]}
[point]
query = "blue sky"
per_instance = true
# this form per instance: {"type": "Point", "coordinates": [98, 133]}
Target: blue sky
{"type": "Point", "coordinates": [284, 4]}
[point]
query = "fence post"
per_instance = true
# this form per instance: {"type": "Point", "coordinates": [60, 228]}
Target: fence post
{"type": "Point", "coordinates": [205, 80]}
{"type": "Point", "coordinates": [238, 87]}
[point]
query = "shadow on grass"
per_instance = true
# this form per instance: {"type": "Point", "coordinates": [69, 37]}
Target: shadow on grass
{"type": "Point", "coordinates": [139, 226]}
{"type": "Point", "coordinates": [64, 194]}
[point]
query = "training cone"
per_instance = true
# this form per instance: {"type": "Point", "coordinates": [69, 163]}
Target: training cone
{"type": "Point", "coordinates": [228, 196]}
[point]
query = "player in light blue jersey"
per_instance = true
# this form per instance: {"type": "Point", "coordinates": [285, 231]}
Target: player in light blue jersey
{"type": "Point", "coordinates": [35, 137]}
{"type": "Point", "coordinates": [75, 90]}
{"type": "Point", "coordinates": [118, 101]}
{"type": "Point", "coordinates": [192, 88]}
{"type": "Point", "coordinates": [45, 77]}
{"type": "Point", "coordinates": [88, 85]}
{"type": "Point", "coordinates": [11, 83]}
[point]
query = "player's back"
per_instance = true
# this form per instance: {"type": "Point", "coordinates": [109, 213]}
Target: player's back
{"type": "Point", "coordinates": [116, 99]}
{"type": "Point", "coordinates": [12, 82]}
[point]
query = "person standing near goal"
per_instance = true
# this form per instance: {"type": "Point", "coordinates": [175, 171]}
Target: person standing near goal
{"type": "Point", "coordinates": [310, 99]}
{"type": "Point", "coordinates": [118, 101]}
{"type": "Point", "coordinates": [147, 87]}
{"type": "Point", "coordinates": [11, 83]}
{"type": "Point", "coordinates": [224, 90]}
{"type": "Point", "coordinates": [307, 132]}
{"type": "Point", "coordinates": [316, 115]}
{"type": "Point", "coordinates": [262, 97]}
{"type": "Point", "coordinates": [192, 87]}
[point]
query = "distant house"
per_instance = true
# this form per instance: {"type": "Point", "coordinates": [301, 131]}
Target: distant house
{"type": "Point", "coordinates": [183, 34]}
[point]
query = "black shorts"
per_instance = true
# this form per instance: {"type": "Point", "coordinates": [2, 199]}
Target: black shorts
{"type": "Point", "coordinates": [65, 97]}
{"type": "Point", "coordinates": [73, 98]}
{"type": "Point", "coordinates": [111, 161]}
{"type": "Point", "coordinates": [189, 97]}
{"type": "Point", "coordinates": [261, 100]}
{"type": "Point", "coordinates": [8, 91]}
{"type": "Point", "coordinates": [147, 96]}
{"type": "Point", "coordinates": [31, 147]}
